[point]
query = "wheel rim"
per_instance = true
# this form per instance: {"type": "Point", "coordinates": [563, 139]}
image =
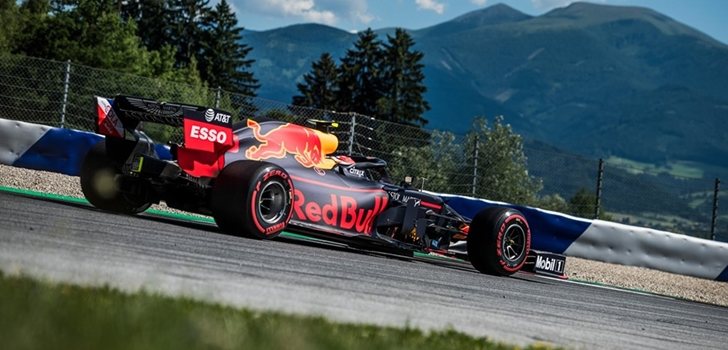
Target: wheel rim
{"type": "Point", "coordinates": [514, 243]}
{"type": "Point", "coordinates": [273, 202]}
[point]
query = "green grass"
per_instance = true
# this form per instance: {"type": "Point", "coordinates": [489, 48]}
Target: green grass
{"type": "Point", "coordinates": [40, 315]}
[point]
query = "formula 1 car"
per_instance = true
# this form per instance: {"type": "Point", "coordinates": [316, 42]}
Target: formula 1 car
{"type": "Point", "coordinates": [259, 177]}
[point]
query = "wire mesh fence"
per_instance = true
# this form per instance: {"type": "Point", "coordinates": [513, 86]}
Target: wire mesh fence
{"type": "Point", "coordinates": [61, 94]}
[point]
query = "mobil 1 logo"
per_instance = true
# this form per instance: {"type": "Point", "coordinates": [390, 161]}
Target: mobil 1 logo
{"type": "Point", "coordinates": [550, 264]}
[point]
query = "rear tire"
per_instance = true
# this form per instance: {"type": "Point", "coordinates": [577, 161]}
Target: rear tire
{"type": "Point", "coordinates": [100, 177]}
{"type": "Point", "coordinates": [252, 199]}
{"type": "Point", "coordinates": [498, 241]}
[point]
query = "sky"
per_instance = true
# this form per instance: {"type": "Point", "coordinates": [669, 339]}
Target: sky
{"type": "Point", "coordinates": [708, 16]}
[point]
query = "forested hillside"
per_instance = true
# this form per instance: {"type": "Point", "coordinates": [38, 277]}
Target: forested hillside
{"type": "Point", "coordinates": [592, 79]}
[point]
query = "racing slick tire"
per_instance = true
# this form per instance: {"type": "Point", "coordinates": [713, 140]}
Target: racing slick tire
{"type": "Point", "coordinates": [100, 177]}
{"type": "Point", "coordinates": [252, 199]}
{"type": "Point", "coordinates": [498, 241]}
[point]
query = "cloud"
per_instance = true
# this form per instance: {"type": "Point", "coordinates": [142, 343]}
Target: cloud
{"type": "Point", "coordinates": [319, 11]}
{"type": "Point", "coordinates": [304, 9]}
{"type": "Point", "coordinates": [431, 5]}
{"type": "Point", "coordinates": [354, 10]}
{"type": "Point", "coordinates": [479, 2]}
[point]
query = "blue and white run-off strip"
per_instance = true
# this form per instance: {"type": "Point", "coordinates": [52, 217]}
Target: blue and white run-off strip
{"type": "Point", "coordinates": [612, 242]}
{"type": "Point", "coordinates": [42, 147]}
{"type": "Point", "coordinates": [62, 150]}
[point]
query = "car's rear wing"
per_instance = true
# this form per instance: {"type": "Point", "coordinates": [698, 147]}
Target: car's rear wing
{"type": "Point", "coordinates": [204, 127]}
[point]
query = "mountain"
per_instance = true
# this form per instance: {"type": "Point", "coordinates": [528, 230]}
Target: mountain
{"type": "Point", "coordinates": [592, 79]}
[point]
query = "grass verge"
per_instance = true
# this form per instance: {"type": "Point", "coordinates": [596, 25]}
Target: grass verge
{"type": "Point", "coordinates": [40, 315]}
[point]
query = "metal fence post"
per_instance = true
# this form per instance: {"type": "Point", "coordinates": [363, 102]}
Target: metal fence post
{"type": "Point", "coordinates": [715, 208]}
{"type": "Point", "coordinates": [475, 164]}
{"type": "Point", "coordinates": [66, 82]}
{"type": "Point", "coordinates": [217, 97]}
{"type": "Point", "coordinates": [600, 177]}
{"type": "Point", "coordinates": [352, 130]}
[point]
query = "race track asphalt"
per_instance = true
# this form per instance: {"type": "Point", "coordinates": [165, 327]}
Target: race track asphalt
{"type": "Point", "coordinates": [75, 243]}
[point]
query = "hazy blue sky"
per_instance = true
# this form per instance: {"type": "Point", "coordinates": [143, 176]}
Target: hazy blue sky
{"type": "Point", "coordinates": [709, 16]}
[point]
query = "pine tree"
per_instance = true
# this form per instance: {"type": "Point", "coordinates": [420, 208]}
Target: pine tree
{"type": "Point", "coordinates": [360, 83]}
{"type": "Point", "coordinates": [152, 18]}
{"type": "Point", "coordinates": [36, 7]}
{"type": "Point", "coordinates": [402, 76]}
{"type": "Point", "coordinates": [320, 87]}
{"type": "Point", "coordinates": [187, 33]}
{"type": "Point", "coordinates": [223, 57]}
{"type": "Point", "coordinates": [11, 23]}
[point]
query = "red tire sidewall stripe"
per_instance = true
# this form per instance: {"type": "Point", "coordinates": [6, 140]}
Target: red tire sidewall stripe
{"type": "Point", "coordinates": [271, 174]}
{"type": "Point", "coordinates": [254, 207]}
{"type": "Point", "coordinates": [499, 241]}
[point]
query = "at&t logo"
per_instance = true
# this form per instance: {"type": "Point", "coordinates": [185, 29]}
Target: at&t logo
{"type": "Point", "coordinates": [209, 115]}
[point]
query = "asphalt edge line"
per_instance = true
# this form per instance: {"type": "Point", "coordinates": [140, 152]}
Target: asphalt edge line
{"type": "Point", "coordinates": [285, 234]}
{"type": "Point", "coordinates": [151, 212]}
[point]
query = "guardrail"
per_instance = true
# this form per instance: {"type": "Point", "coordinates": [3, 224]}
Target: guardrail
{"type": "Point", "coordinates": [47, 148]}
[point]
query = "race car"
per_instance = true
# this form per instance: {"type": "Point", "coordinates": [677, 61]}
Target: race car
{"type": "Point", "coordinates": [259, 177]}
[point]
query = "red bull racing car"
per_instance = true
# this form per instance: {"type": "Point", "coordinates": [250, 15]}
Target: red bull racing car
{"type": "Point", "coordinates": [259, 177]}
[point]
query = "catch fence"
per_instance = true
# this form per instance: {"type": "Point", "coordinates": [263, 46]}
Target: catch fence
{"type": "Point", "coordinates": [61, 94]}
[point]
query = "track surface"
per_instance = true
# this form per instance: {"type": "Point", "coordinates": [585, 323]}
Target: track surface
{"type": "Point", "coordinates": [79, 244]}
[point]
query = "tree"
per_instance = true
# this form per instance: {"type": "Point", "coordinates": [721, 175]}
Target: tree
{"type": "Point", "coordinates": [223, 58]}
{"type": "Point", "coordinates": [36, 7]}
{"type": "Point", "coordinates": [553, 202]}
{"type": "Point", "coordinates": [403, 81]}
{"type": "Point", "coordinates": [186, 18]}
{"type": "Point", "coordinates": [88, 32]}
{"type": "Point", "coordinates": [502, 174]}
{"type": "Point", "coordinates": [360, 82]}
{"type": "Point", "coordinates": [9, 30]}
{"type": "Point", "coordinates": [153, 21]}
{"type": "Point", "coordinates": [320, 87]}
{"type": "Point", "coordinates": [582, 203]}
{"type": "Point", "coordinates": [93, 33]}
{"type": "Point", "coordinates": [431, 166]}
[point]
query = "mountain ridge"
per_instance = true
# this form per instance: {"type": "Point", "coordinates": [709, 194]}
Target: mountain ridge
{"type": "Point", "coordinates": [598, 80]}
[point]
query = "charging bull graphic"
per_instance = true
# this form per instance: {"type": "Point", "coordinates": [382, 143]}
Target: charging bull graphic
{"type": "Point", "coordinates": [309, 147]}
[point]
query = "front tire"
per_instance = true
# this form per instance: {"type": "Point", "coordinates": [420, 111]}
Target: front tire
{"type": "Point", "coordinates": [498, 241]}
{"type": "Point", "coordinates": [100, 177]}
{"type": "Point", "coordinates": [252, 199]}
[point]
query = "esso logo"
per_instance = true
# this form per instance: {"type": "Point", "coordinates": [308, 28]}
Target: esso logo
{"type": "Point", "coordinates": [205, 134]}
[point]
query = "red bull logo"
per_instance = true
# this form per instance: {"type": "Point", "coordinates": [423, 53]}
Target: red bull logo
{"type": "Point", "coordinates": [309, 147]}
{"type": "Point", "coordinates": [342, 211]}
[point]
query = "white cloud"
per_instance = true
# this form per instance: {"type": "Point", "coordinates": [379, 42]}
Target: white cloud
{"type": "Point", "coordinates": [479, 2]}
{"type": "Point", "coordinates": [320, 11]}
{"type": "Point", "coordinates": [431, 5]}
{"type": "Point", "coordinates": [354, 10]}
{"type": "Point", "coordinates": [304, 9]}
